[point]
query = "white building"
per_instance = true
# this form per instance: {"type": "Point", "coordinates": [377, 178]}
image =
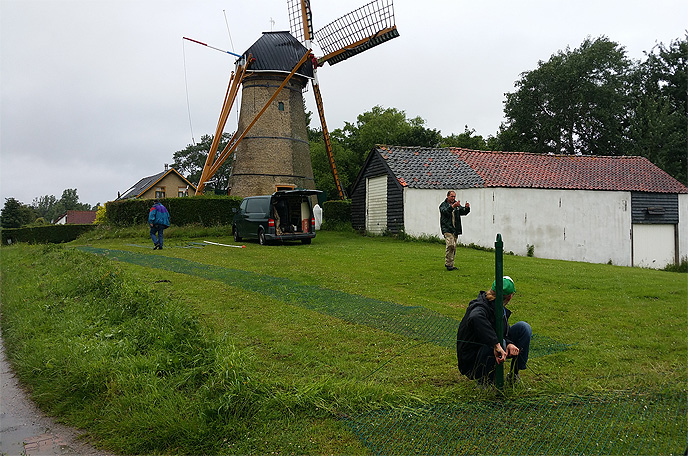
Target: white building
{"type": "Point", "coordinates": [582, 208]}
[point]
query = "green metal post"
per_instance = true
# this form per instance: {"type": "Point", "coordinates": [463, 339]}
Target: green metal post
{"type": "Point", "coordinates": [499, 305]}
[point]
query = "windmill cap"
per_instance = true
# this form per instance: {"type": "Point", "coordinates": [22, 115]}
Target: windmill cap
{"type": "Point", "coordinates": [507, 285]}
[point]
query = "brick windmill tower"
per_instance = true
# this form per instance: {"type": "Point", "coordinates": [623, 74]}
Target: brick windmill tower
{"type": "Point", "coordinates": [270, 147]}
{"type": "Point", "coordinates": [274, 155]}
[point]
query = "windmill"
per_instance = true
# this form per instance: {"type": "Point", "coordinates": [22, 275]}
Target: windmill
{"type": "Point", "coordinates": [270, 146]}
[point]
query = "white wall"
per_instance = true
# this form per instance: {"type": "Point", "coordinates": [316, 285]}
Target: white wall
{"type": "Point", "coordinates": [682, 226]}
{"type": "Point", "coordinates": [578, 225]}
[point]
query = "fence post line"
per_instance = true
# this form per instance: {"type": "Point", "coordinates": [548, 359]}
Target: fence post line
{"type": "Point", "coordinates": [499, 305]}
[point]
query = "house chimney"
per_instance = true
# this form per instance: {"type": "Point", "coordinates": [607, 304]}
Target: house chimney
{"type": "Point", "coordinates": [165, 166]}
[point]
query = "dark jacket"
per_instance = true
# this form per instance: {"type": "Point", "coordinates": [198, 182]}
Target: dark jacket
{"type": "Point", "coordinates": [478, 329]}
{"type": "Point", "coordinates": [446, 218]}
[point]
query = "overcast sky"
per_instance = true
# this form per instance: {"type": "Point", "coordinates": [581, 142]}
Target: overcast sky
{"type": "Point", "coordinates": [94, 92]}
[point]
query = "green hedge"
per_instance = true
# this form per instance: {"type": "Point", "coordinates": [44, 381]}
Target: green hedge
{"type": "Point", "coordinates": [49, 234]}
{"type": "Point", "coordinates": [203, 210]}
{"type": "Point", "coordinates": [337, 211]}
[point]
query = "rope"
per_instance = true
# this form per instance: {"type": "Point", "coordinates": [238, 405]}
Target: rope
{"type": "Point", "coordinates": [186, 86]}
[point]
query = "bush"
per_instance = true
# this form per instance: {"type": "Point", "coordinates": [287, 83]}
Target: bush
{"type": "Point", "coordinates": [201, 210]}
{"type": "Point", "coordinates": [336, 213]}
{"type": "Point", "coordinates": [680, 267]}
{"type": "Point", "coordinates": [48, 234]}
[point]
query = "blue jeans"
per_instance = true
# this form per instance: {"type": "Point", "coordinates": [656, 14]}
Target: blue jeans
{"type": "Point", "coordinates": [156, 234]}
{"type": "Point", "coordinates": [520, 334]}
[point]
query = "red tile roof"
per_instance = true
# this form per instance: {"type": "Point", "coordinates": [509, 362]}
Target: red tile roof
{"type": "Point", "coordinates": [465, 168]}
{"type": "Point", "coordinates": [81, 217]}
{"type": "Point", "coordinates": [520, 169]}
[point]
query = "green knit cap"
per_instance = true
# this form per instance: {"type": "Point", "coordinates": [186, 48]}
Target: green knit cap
{"type": "Point", "coordinates": [507, 285]}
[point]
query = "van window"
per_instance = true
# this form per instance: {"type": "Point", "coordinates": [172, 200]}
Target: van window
{"type": "Point", "coordinates": [257, 205]}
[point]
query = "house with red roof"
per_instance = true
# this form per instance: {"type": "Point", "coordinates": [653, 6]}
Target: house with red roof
{"type": "Point", "coordinates": [623, 210]}
{"type": "Point", "coordinates": [77, 218]}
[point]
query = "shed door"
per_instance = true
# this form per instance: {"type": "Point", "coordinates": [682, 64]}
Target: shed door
{"type": "Point", "coordinates": [654, 245]}
{"type": "Point", "coordinates": [376, 204]}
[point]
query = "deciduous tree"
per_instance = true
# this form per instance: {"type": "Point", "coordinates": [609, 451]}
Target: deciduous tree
{"type": "Point", "coordinates": [576, 102]}
{"type": "Point", "coordinates": [190, 161]}
{"type": "Point", "coordinates": [352, 143]}
{"type": "Point", "coordinates": [467, 140]}
{"type": "Point", "coordinates": [659, 127]}
{"type": "Point", "coordinates": [14, 214]}
{"type": "Point", "coordinates": [45, 206]}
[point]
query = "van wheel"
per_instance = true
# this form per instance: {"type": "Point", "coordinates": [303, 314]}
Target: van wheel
{"type": "Point", "coordinates": [235, 232]}
{"type": "Point", "coordinates": [306, 241]}
{"type": "Point", "coordinates": [261, 237]}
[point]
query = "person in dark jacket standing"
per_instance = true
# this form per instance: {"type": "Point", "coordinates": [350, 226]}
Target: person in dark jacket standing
{"type": "Point", "coordinates": [158, 219]}
{"type": "Point", "coordinates": [477, 347]}
{"type": "Point", "coordinates": [450, 224]}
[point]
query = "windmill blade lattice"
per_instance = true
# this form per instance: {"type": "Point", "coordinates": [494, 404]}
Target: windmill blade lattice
{"type": "Point", "coordinates": [358, 31]}
{"type": "Point", "coordinates": [296, 11]}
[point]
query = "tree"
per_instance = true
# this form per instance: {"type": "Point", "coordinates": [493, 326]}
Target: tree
{"type": "Point", "coordinates": [69, 202]}
{"type": "Point", "coordinates": [577, 102]}
{"type": "Point", "coordinates": [465, 140]}
{"type": "Point", "coordinates": [45, 206]}
{"type": "Point", "coordinates": [352, 143]}
{"type": "Point", "coordinates": [191, 160]}
{"type": "Point", "coordinates": [660, 111]}
{"type": "Point", "coordinates": [15, 214]}
{"type": "Point", "coordinates": [50, 208]}
{"type": "Point", "coordinates": [387, 126]}
{"type": "Point", "coordinates": [101, 215]}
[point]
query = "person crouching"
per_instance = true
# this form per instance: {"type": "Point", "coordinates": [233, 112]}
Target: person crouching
{"type": "Point", "coordinates": [478, 349]}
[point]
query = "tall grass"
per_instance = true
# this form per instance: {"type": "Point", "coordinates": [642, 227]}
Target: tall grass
{"type": "Point", "coordinates": [130, 363]}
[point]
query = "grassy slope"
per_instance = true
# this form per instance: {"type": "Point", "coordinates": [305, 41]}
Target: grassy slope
{"type": "Point", "coordinates": [302, 369]}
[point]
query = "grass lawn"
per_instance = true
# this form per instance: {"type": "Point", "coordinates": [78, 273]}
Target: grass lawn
{"type": "Point", "coordinates": [314, 349]}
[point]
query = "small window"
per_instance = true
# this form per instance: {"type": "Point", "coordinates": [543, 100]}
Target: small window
{"type": "Point", "coordinates": [159, 192]}
{"type": "Point", "coordinates": [280, 106]}
{"type": "Point", "coordinates": [182, 192]}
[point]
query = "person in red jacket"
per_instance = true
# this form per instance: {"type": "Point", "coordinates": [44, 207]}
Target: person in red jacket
{"type": "Point", "coordinates": [478, 349]}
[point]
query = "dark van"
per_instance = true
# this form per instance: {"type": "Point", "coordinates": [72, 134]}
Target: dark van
{"type": "Point", "coordinates": [286, 215]}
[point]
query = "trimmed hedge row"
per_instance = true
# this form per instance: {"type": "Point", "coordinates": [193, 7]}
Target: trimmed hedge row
{"type": "Point", "coordinates": [48, 234]}
{"type": "Point", "coordinates": [337, 211]}
{"type": "Point", "coordinates": [202, 210]}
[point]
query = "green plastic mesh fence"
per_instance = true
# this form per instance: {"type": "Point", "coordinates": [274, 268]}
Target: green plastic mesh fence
{"type": "Point", "coordinates": [416, 323]}
{"type": "Point", "coordinates": [611, 423]}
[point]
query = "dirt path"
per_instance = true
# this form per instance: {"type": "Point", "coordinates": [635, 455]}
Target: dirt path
{"type": "Point", "coordinates": [25, 430]}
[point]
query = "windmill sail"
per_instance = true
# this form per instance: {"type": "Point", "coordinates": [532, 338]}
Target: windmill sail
{"type": "Point", "coordinates": [358, 31]}
{"type": "Point", "coordinates": [297, 9]}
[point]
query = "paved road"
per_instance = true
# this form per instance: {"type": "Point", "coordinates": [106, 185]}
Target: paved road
{"type": "Point", "coordinates": [24, 430]}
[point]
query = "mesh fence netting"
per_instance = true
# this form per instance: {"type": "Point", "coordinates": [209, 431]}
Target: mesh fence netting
{"type": "Point", "coordinates": [603, 424]}
{"type": "Point", "coordinates": [412, 322]}
{"type": "Point", "coordinates": [651, 422]}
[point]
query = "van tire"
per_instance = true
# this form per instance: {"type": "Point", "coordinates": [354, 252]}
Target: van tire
{"type": "Point", "coordinates": [235, 233]}
{"type": "Point", "coordinates": [261, 237]}
{"type": "Point", "coordinates": [306, 241]}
